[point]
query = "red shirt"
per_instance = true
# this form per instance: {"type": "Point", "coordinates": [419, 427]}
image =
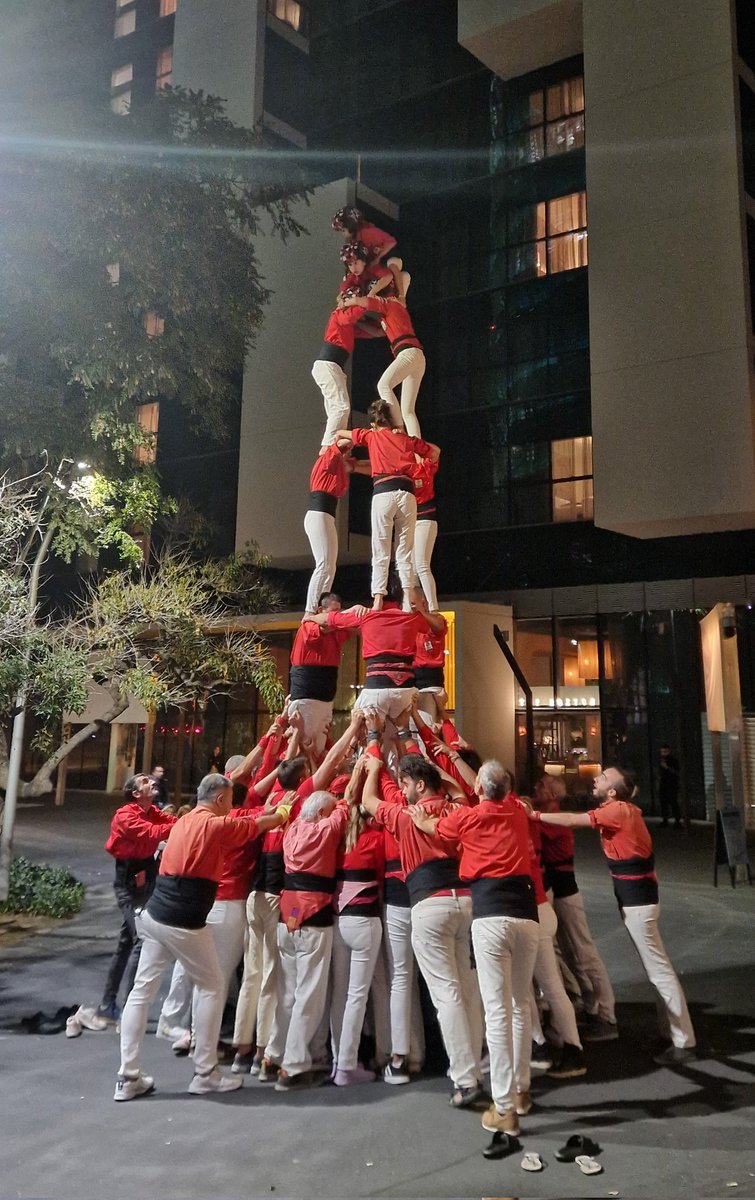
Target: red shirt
{"type": "Point", "coordinates": [424, 473]}
{"type": "Point", "coordinates": [377, 241]}
{"type": "Point", "coordinates": [430, 647]}
{"type": "Point", "coordinates": [415, 847]}
{"type": "Point", "coordinates": [240, 861]}
{"type": "Point", "coordinates": [396, 322]}
{"type": "Point", "coordinates": [536, 868]}
{"type": "Point", "coordinates": [391, 451]}
{"type": "Point", "coordinates": [318, 645]}
{"type": "Point", "coordinates": [136, 832]}
{"type": "Point", "coordinates": [622, 829]}
{"type": "Point", "coordinates": [329, 473]}
{"type": "Point", "coordinates": [494, 839]}
{"type": "Point", "coordinates": [557, 847]}
{"type": "Point", "coordinates": [312, 847]}
{"type": "Point", "coordinates": [388, 631]}
{"type": "Point", "coordinates": [198, 843]}
{"type": "Point", "coordinates": [340, 327]}
{"type": "Point", "coordinates": [367, 857]}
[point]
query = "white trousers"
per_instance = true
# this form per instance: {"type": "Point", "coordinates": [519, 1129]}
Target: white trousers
{"type": "Point", "coordinates": [582, 958]}
{"type": "Point", "coordinates": [317, 716]}
{"type": "Point", "coordinates": [356, 945]}
{"type": "Point", "coordinates": [392, 511]}
{"type": "Point", "coordinates": [641, 923]}
{"type": "Point", "coordinates": [549, 981]}
{"type": "Point", "coordinates": [258, 991]}
{"type": "Point", "coordinates": [389, 702]}
{"type": "Point", "coordinates": [441, 928]}
{"type": "Point", "coordinates": [302, 993]}
{"type": "Point", "coordinates": [227, 923]}
{"type": "Point", "coordinates": [332, 382]}
{"type": "Point", "coordinates": [425, 533]}
{"type": "Point", "coordinates": [407, 369]}
{"type": "Point", "coordinates": [399, 1028]}
{"type": "Point", "coordinates": [195, 949]}
{"type": "Point", "coordinates": [320, 528]}
{"type": "Point", "coordinates": [505, 950]}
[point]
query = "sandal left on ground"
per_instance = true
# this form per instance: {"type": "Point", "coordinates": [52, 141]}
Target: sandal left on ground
{"type": "Point", "coordinates": [465, 1097]}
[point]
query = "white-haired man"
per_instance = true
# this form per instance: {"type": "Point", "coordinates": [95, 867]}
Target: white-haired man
{"type": "Point", "coordinates": [305, 936]}
{"type": "Point", "coordinates": [494, 840]}
{"type": "Point", "coordinates": [174, 926]}
{"type": "Point", "coordinates": [628, 847]}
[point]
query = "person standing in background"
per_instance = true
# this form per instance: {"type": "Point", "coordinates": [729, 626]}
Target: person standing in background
{"type": "Point", "coordinates": [668, 786]}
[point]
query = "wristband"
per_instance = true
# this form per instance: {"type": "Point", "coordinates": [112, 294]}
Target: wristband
{"type": "Point", "coordinates": [404, 734]}
{"type": "Point", "coordinates": [373, 735]}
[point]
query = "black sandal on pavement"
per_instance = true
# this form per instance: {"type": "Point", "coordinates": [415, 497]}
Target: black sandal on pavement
{"type": "Point", "coordinates": [502, 1145]}
{"type": "Point", "coordinates": [578, 1143]}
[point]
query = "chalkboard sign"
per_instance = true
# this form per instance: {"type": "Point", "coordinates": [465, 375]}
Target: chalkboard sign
{"type": "Point", "coordinates": [731, 843]}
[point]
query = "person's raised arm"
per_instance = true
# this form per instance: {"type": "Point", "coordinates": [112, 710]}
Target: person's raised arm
{"type": "Point", "coordinates": [326, 772]}
{"type": "Point", "coordinates": [568, 820]}
{"type": "Point", "coordinates": [371, 793]}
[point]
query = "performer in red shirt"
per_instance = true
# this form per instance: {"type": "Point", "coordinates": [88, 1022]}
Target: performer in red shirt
{"type": "Point", "coordinates": [628, 847]}
{"type": "Point", "coordinates": [430, 664]}
{"type": "Point", "coordinates": [328, 369]}
{"type": "Point", "coordinates": [174, 926]}
{"type": "Point", "coordinates": [352, 223]}
{"type": "Point", "coordinates": [357, 933]}
{"type": "Point", "coordinates": [313, 679]}
{"type": "Point", "coordinates": [574, 937]}
{"type": "Point", "coordinates": [441, 912]}
{"type": "Point", "coordinates": [494, 841]}
{"type": "Point", "coordinates": [136, 831]}
{"type": "Point", "coordinates": [328, 481]}
{"type": "Point", "coordinates": [426, 529]}
{"type": "Point", "coordinates": [394, 505]}
{"type": "Point", "coordinates": [409, 364]}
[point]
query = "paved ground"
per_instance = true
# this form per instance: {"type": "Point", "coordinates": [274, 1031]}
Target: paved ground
{"type": "Point", "coordinates": [671, 1135]}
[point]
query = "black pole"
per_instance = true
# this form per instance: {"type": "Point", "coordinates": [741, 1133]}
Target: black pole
{"type": "Point", "coordinates": [528, 716]}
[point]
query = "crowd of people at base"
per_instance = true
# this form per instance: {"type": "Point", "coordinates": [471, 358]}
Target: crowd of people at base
{"type": "Point", "coordinates": [337, 871]}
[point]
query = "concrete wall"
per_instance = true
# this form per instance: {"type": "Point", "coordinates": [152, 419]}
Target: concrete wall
{"type": "Point", "coordinates": [672, 385]}
{"type": "Point", "coordinates": [219, 47]}
{"type": "Point", "coordinates": [282, 414]}
{"type": "Point", "coordinates": [485, 686]}
{"type": "Point", "coordinates": [513, 37]}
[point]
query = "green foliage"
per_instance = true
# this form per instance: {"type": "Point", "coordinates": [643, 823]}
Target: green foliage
{"type": "Point", "coordinates": [42, 891]}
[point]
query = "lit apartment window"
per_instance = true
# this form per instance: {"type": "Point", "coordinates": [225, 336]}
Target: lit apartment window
{"type": "Point", "coordinates": [148, 419]}
{"type": "Point", "coordinates": [121, 104]}
{"type": "Point", "coordinates": [125, 23]}
{"type": "Point", "coordinates": [546, 122]}
{"type": "Point", "coordinates": [548, 237]}
{"type": "Point", "coordinates": [122, 75]}
{"type": "Point", "coordinates": [167, 7]}
{"type": "Point", "coordinates": [288, 11]}
{"type": "Point", "coordinates": [571, 474]}
{"type": "Point", "coordinates": [154, 325]}
{"type": "Point", "coordinates": [113, 273]}
{"type": "Point", "coordinates": [164, 68]}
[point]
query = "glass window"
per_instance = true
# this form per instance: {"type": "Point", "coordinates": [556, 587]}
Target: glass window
{"type": "Point", "coordinates": [288, 11]}
{"type": "Point", "coordinates": [121, 104]}
{"type": "Point", "coordinates": [154, 325]}
{"type": "Point", "coordinates": [167, 7]}
{"type": "Point", "coordinates": [554, 233]}
{"type": "Point", "coordinates": [541, 124]}
{"type": "Point", "coordinates": [148, 419]}
{"type": "Point", "coordinates": [122, 75]}
{"type": "Point", "coordinates": [164, 69]}
{"type": "Point", "coordinates": [565, 98]}
{"type": "Point", "coordinates": [571, 471]}
{"type": "Point", "coordinates": [125, 23]}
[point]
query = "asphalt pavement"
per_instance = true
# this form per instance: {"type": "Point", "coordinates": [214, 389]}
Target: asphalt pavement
{"type": "Point", "coordinates": [674, 1135]}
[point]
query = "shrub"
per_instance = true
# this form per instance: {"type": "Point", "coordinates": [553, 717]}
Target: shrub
{"type": "Point", "coordinates": [42, 891]}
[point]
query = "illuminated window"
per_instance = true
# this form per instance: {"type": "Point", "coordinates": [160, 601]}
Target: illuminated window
{"type": "Point", "coordinates": [167, 7]}
{"type": "Point", "coordinates": [154, 325]}
{"type": "Point", "coordinates": [122, 75]}
{"type": "Point", "coordinates": [571, 474]}
{"type": "Point", "coordinates": [548, 237]}
{"type": "Point", "coordinates": [125, 23]}
{"type": "Point", "coordinates": [148, 420]}
{"type": "Point", "coordinates": [113, 273]}
{"type": "Point", "coordinates": [546, 122]}
{"type": "Point", "coordinates": [121, 104]}
{"type": "Point", "coordinates": [164, 68]}
{"type": "Point", "coordinates": [288, 11]}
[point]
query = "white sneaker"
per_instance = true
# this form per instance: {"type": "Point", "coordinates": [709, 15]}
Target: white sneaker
{"type": "Point", "coordinates": [169, 1033]}
{"type": "Point", "coordinates": [88, 1018]}
{"type": "Point", "coordinates": [73, 1028]}
{"type": "Point", "coordinates": [216, 1081]}
{"type": "Point", "coordinates": [182, 1044]}
{"type": "Point", "coordinates": [129, 1089]}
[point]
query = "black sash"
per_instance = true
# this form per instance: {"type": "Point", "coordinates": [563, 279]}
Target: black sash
{"type": "Point", "coordinates": [182, 901]}
{"type": "Point", "coordinates": [511, 896]}
{"type": "Point", "coordinates": [392, 483]}
{"type": "Point", "coordinates": [269, 874]}
{"type": "Point", "coordinates": [312, 682]}
{"type": "Point", "coordinates": [334, 354]}
{"type": "Point", "coordinates": [436, 875]}
{"type": "Point", "coordinates": [426, 677]}
{"type": "Point", "coordinates": [323, 502]}
{"type": "Point", "coordinates": [307, 881]}
{"type": "Point", "coordinates": [631, 893]}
